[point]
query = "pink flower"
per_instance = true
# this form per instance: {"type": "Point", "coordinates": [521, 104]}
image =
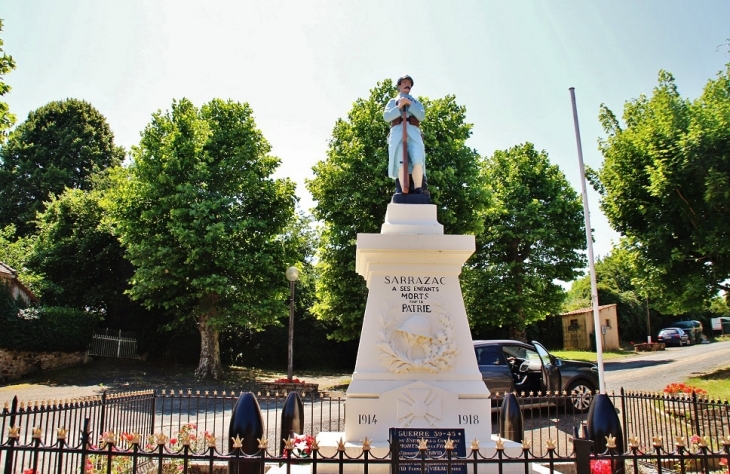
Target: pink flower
{"type": "Point", "coordinates": [695, 439]}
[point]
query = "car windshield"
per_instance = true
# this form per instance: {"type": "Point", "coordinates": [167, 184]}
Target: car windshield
{"type": "Point", "coordinates": [668, 331]}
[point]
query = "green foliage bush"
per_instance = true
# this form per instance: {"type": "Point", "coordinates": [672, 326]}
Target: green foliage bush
{"type": "Point", "coordinates": [42, 328]}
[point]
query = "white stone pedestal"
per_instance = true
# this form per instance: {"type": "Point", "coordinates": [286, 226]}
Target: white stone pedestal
{"type": "Point", "coordinates": [328, 442]}
{"type": "Point", "coordinates": [415, 365]}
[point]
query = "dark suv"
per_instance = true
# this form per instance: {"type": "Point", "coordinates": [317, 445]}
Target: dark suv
{"type": "Point", "coordinates": [514, 366]}
{"type": "Point", "coordinates": [692, 328]}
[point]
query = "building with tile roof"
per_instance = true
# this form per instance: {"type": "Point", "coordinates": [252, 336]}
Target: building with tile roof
{"type": "Point", "coordinates": [9, 277]}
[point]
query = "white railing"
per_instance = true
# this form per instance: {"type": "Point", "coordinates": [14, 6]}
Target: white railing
{"type": "Point", "coordinates": [105, 344]}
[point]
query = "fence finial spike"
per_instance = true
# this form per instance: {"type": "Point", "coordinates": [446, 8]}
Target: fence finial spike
{"type": "Point", "coordinates": [237, 442]}
{"type": "Point", "coordinates": [526, 444]}
{"type": "Point", "coordinates": [422, 444]}
{"type": "Point", "coordinates": [365, 444]}
{"type": "Point", "coordinates": [475, 444]}
{"type": "Point", "coordinates": [341, 446]}
{"type": "Point", "coordinates": [610, 441]}
{"type": "Point", "coordinates": [500, 444]}
{"type": "Point", "coordinates": [61, 433]}
{"type": "Point", "coordinates": [161, 438]}
{"type": "Point", "coordinates": [263, 442]}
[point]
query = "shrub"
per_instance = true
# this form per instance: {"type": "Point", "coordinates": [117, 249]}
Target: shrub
{"type": "Point", "coordinates": [44, 329]}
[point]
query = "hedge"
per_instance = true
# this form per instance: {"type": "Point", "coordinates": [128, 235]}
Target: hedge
{"type": "Point", "coordinates": [43, 328]}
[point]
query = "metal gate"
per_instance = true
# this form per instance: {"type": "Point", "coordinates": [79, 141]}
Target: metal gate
{"type": "Point", "coordinates": [113, 344]}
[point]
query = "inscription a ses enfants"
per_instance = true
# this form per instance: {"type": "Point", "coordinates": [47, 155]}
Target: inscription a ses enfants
{"type": "Point", "coordinates": [416, 290]}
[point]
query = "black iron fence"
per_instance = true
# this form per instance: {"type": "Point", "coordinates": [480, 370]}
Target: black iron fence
{"type": "Point", "coordinates": [154, 431]}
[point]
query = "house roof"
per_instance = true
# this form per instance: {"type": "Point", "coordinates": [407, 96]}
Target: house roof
{"type": "Point", "coordinates": [587, 310]}
{"type": "Point", "coordinates": [7, 272]}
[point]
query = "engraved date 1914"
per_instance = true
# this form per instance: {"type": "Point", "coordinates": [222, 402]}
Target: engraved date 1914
{"type": "Point", "coordinates": [366, 420]}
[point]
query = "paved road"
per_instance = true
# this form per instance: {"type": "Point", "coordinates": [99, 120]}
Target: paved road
{"type": "Point", "coordinates": [652, 371]}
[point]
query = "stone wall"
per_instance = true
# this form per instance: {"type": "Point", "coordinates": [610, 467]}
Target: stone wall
{"type": "Point", "coordinates": [16, 364]}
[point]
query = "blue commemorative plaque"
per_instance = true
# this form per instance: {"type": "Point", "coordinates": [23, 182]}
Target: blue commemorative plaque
{"type": "Point", "coordinates": [404, 444]}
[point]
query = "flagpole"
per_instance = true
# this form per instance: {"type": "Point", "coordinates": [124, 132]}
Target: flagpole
{"type": "Point", "coordinates": [589, 240]}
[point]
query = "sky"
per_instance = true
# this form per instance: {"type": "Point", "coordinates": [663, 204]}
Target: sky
{"type": "Point", "coordinates": [301, 64]}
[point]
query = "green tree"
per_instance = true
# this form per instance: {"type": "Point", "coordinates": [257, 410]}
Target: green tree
{"type": "Point", "coordinates": [82, 263]}
{"type": "Point", "coordinates": [202, 222]}
{"type": "Point", "coordinates": [61, 145]}
{"type": "Point", "coordinates": [7, 64]}
{"type": "Point", "coordinates": [352, 190]}
{"type": "Point", "coordinates": [14, 251]}
{"type": "Point", "coordinates": [618, 279]}
{"type": "Point", "coordinates": [533, 236]}
{"type": "Point", "coordinates": [665, 185]}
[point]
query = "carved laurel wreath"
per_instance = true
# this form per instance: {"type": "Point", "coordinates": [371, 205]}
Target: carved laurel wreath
{"type": "Point", "coordinates": [440, 353]}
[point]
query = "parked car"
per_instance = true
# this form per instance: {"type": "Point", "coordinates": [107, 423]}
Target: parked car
{"type": "Point", "coordinates": [673, 337]}
{"type": "Point", "coordinates": [514, 366]}
{"type": "Point", "coordinates": [692, 328]}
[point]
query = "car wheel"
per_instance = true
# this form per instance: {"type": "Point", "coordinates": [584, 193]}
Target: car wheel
{"type": "Point", "coordinates": [581, 394]}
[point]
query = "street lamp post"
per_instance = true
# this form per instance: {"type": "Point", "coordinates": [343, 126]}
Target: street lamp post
{"type": "Point", "coordinates": [292, 274]}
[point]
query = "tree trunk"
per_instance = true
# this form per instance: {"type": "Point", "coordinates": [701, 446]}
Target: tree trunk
{"type": "Point", "coordinates": [518, 334]}
{"type": "Point", "coordinates": [210, 351]}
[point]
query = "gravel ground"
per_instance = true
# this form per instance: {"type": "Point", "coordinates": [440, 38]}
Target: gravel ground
{"type": "Point", "coordinates": [122, 375]}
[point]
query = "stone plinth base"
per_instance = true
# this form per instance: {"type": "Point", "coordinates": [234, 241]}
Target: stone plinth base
{"type": "Point", "coordinates": [649, 347]}
{"type": "Point", "coordinates": [328, 442]}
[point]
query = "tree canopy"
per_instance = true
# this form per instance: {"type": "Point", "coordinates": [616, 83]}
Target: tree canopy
{"type": "Point", "coordinates": [60, 145]}
{"type": "Point", "coordinates": [352, 190]}
{"type": "Point", "coordinates": [81, 263]}
{"type": "Point", "coordinates": [533, 235]}
{"type": "Point", "coordinates": [202, 221]}
{"type": "Point", "coordinates": [7, 64]}
{"type": "Point", "coordinates": [665, 185]}
{"type": "Point", "coordinates": [618, 282]}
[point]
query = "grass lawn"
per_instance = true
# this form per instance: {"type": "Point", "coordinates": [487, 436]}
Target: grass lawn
{"type": "Point", "coordinates": [591, 356]}
{"type": "Point", "coordinates": [717, 384]}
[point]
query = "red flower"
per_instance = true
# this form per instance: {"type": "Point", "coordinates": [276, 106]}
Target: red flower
{"type": "Point", "coordinates": [600, 466]}
{"type": "Point", "coordinates": [675, 387]}
{"type": "Point", "coordinates": [29, 471]}
{"type": "Point", "coordinates": [286, 380]}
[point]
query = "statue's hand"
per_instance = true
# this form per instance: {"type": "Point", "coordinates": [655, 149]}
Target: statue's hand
{"type": "Point", "coordinates": [404, 102]}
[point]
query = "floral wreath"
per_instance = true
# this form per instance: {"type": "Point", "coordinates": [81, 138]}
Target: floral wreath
{"type": "Point", "coordinates": [440, 355]}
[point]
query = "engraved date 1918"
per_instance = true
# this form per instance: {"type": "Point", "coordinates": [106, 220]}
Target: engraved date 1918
{"type": "Point", "coordinates": [468, 419]}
